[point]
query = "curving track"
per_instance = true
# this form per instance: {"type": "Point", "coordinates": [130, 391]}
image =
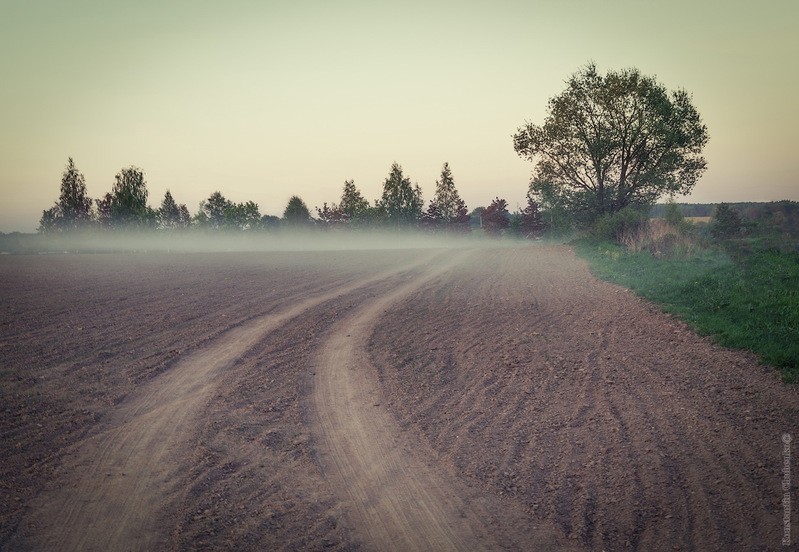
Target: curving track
{"type": "Point", "coordinates": [397, 498]}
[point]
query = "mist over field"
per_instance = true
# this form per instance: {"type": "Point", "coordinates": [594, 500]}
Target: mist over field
{"type": "Point", "coordinates": [220, 241]}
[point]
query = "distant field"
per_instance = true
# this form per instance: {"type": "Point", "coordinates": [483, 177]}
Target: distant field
{"type": "Point", "coordinates": [696, 220]}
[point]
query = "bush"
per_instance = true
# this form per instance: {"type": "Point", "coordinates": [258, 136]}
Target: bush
{"type": "Point", "coordinates": [619, 225]}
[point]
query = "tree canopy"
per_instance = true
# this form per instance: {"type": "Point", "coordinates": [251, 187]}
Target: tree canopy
{"type": "Point", "coordinates": [613, 141]}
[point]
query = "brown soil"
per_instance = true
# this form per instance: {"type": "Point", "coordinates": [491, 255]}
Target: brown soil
{"type": "Point", "coordinates": [480, 399]}
{"type": "Point", "coordinates": [588, 406]}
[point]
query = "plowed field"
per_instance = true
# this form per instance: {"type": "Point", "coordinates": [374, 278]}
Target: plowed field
{"type": "Point", "coordinates": [464, 399]}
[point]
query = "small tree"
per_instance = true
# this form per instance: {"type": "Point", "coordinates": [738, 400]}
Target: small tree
{"type": "Point", "coordinates": [672, 213]}
{"type": "Point", "coordinates": [297, 212]}
{"type": "Point", "coordinates": [74, 203]}
{"type": "Point", "coordinates": [352, 203]}
{"type": "Point", "coordinates": [531, 224]}
{"type": "Point", "coordinates": [495, 217]}
{"type": "Point", "coordinates": [129, 199]}
{"type": "Point", "coordinates": [726, 222]}
{"type": "Point", "coordinates": [49, 220]}
{"type": "Point", "coordinates": [169, 213]}
{"type": "Point", "coordinates": [73, 210]}
{"type": "Point", "coordinates": [446, 197]}
{"type": "Point", "coordinates": [213, 211]}
{"type": "Point", "coordinates": [401, 202]}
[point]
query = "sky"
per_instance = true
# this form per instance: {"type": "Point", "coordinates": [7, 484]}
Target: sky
{"type": "Point", "coordinates": [263, 100]}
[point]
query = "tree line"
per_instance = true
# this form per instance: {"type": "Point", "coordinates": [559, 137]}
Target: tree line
{"type": "Point", "coordinates": [400, 206]}
{"type": "Point", "coordinates": [609, 143]}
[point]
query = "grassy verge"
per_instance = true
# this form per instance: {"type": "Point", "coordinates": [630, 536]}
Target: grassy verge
{"type": "Point", "coordinates": [751, 302]}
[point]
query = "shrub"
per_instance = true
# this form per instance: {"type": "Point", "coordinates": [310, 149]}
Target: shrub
{"type": "Point", "coordinates": [726, 222]}
{"type": "Point", "coordinates": [616, 226]}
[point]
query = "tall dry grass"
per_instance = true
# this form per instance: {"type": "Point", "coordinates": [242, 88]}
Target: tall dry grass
{"type": "Point", "coordinates": [662, 239]}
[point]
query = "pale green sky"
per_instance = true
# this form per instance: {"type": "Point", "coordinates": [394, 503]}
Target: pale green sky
{"type": "Point", "coordinates": [262, 100]}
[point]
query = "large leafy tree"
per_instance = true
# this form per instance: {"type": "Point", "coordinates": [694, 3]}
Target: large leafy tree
{"type": "Point", "coordinates": [73, 209]}
{"type": "Point", "coordinates": [612, 141]}
{"type": "Point", "coordinates": [401, 202]}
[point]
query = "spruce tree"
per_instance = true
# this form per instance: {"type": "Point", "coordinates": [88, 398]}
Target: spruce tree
{"type": "Point", "coordinates": [446, 196]}
{"type": "Point", "coordinates": [74, 203]}
{"type": "Point", "coordinates": [73, 209]}
{"type": "Point", "coordinates": [169, 213]}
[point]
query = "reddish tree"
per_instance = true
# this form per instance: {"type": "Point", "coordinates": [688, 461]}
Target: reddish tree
{"type": "Point", "coordinates": [461, 220]}
{"type": "Point", "coordinates": [532, 225]}
{"type": "Point", "coordinates": [496, 218]}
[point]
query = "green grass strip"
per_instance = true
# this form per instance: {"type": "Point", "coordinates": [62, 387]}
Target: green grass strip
{"type": "Point", "coordinates": [751, 303]}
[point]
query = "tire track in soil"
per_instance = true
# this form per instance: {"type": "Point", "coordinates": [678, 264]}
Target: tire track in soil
{"type": "Point", "coordinates": [396, 499]}
{"type": "Point", "coordinates": [118, 482]}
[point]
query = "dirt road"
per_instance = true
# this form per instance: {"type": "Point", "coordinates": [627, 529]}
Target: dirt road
{"type": "Point", "coordinates": [492, 398]}
{"type": "Point", "coordinates": [121, 477]}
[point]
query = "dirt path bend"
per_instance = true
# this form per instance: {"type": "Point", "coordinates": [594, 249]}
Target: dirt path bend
{"type": "Point", "coordinates": [395, 495]}
{"type": "Point", "coordinates": [118, 481]}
